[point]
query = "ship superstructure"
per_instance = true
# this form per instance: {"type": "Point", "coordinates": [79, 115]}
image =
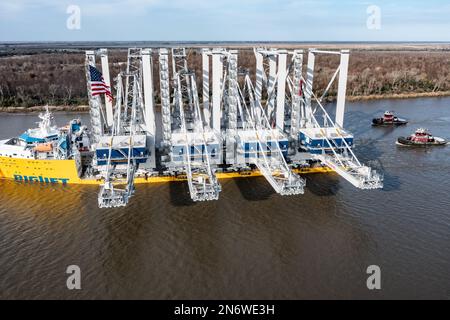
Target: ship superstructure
{"type": "Point", "coordinates": [39, 154]}
{"type": "Point", "coordinates": [266, 121]}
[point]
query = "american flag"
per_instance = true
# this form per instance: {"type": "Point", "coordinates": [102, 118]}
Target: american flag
{"type": "Point", "coordinates": [98, 85]}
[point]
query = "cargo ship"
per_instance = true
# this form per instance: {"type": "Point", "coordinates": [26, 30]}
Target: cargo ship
{"type": "Point", "coordinates": [231, 133]}
{"type": "Point", "coordinates": [61, 155]}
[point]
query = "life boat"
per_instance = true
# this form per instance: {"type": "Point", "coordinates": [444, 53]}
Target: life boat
{"type": "Point", "coordinates": [388, 119]}
{"type": "Point", "coordinates": [421, 138]}
{"type": "Point", "coordinates": [43, 147]}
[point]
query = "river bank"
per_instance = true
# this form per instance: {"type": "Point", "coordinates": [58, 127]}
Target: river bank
{"type": "Point", "coordinates": [85, 108]}
{"type": "Point", "coordinates": [407, 95]}
{"type": "Point", "coordinates": [81, 108]}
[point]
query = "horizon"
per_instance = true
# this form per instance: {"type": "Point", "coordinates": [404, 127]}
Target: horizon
{"type": "Point", "coordinates": [227, 41]}
{"type": "Point", "coordinates": [230, 42]}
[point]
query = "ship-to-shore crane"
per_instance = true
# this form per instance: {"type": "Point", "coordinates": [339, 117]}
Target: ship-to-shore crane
{"type": "Point", "coordinates": [125, 135]}
{"type": "Point", "coordinates": [194, 143]}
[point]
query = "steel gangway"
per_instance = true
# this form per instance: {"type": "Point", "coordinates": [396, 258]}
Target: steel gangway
{"type": "Point", "coordinates": [202, 181]}
{"type": "Point", "coordinates": [270, 160]}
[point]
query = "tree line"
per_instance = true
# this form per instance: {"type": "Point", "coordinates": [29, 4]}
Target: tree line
{"type": "Point", "coordinates": [58, 78]}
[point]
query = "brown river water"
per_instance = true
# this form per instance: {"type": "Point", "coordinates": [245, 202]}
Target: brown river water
{"type": "Point", "coordinates": [252, 243]}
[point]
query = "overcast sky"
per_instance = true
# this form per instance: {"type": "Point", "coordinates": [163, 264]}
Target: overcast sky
{"type": "Point", "coordinates": [225, 20]}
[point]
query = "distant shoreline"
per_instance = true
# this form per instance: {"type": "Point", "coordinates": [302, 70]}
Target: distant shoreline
{"type": "Point", "coordinates": [399, 96]}
{"type": "Point", "coordinates": [85, 108]}
{"type": "Point", "coordinates": [82, 108]}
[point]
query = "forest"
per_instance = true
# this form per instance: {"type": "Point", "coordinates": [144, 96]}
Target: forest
{"type": "Point", "coordinates": [58, 78]}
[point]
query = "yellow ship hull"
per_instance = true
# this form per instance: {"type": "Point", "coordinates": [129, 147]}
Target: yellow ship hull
{"type": "Point", "coordinates": [65, 172]}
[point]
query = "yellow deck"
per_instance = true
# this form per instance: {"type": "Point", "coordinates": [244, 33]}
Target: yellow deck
{"type": "Point", "coordinates": [64, 171]}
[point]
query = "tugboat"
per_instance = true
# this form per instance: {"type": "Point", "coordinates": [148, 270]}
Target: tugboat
{"type": "Point", "coordinates": [421, 138]}
{"type": "Point", "coordinates": [388, 120]}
